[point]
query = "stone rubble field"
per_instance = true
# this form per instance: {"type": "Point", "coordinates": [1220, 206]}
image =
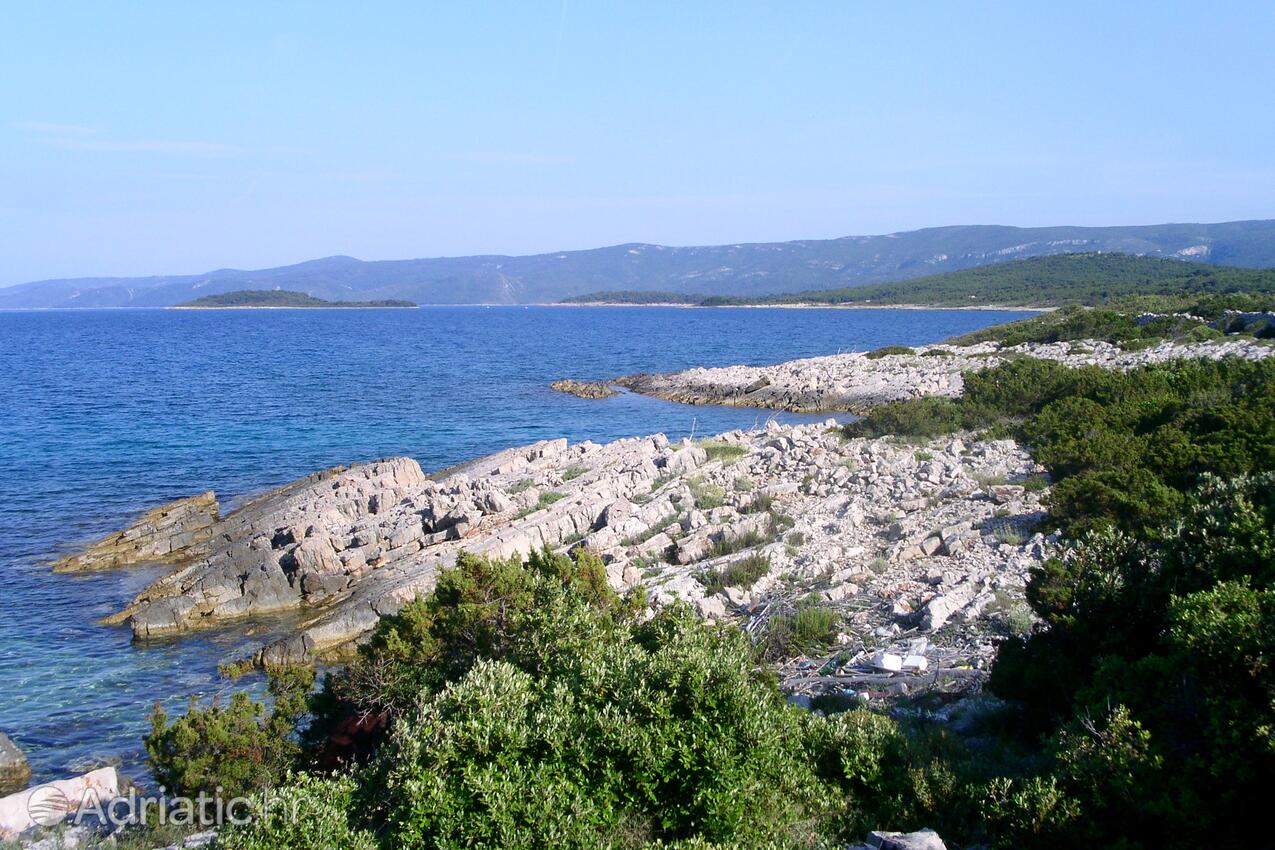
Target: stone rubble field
{"type": "Point", "coordinates": [900, 540]}
{"type": "Point", "coordinates": [856, 382]}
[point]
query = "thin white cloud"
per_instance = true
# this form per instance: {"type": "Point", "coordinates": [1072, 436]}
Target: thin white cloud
{"type": "Point", "coordinates": [73, 137]}
{"type": "Point", "coordinates": [518, 158]}
{"type": "Point", "coordinates": [49, 128]}
{"type": "Point", "coordinates": [170, 146]}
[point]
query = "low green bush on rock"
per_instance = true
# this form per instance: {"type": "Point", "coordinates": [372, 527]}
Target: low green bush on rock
{"type": "Point", "coordinates": [232, 749]}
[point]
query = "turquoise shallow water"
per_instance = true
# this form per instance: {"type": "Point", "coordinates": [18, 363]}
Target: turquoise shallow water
{"type": "Point", "coordinates": [105, 413]}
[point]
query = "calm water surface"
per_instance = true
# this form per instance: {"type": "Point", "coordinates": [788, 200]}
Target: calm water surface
{"type": "Point", "coordinates": [105, 413]}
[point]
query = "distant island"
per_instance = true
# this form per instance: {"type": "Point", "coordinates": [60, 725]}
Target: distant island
{"type": "Point", "coordinates": [1051, 281]}
{"type": "Point", "coordinates": [740, 270]}
{"type": "Point", "coordinates": [276, 298]}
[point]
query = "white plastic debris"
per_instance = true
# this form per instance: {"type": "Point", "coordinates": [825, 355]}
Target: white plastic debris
{"type": "Point", "coordinates": [887, 661]}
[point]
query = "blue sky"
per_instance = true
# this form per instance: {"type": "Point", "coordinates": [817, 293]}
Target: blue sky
{"type": "Point", "coordinates": [140, 138]}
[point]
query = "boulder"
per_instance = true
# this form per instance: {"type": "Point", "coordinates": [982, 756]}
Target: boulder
{"type": "Point", "coordinates": [941, 608]}
{"type": "Point", "coordinates": [1005, 493]}
{"type": "Point", "coordinates": [14, 768]}
{"type": "Point", "coordinates": [924, 839]}
{"type": "Point", "coordinates": [49, 804]}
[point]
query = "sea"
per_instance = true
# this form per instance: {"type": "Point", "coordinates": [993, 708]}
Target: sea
{"type": "Point", "coordinates": [104, 414]}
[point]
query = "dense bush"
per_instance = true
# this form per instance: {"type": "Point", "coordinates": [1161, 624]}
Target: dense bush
{"type": "Point", "coordinates": [306, 813]}
{"type": "Point", "coordinates": [231, 749]}
{"type": "Point", "coordinates": [482, 608]}
{"type": "Point", "coordinates": [1155, 669]}
{"type": "Point", "coordinates": [665, 732]}
{"type": "Point", "coordinates": [1122, 448]}
{"type": "Point", "coordinates": [526, 705]}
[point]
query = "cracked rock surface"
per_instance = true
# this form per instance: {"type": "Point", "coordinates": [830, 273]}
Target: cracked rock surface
{"type": "Point", "coordinates": [890, 535]}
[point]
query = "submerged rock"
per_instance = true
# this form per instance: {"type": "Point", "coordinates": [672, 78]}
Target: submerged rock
{"type": "Point", "coordinates": [163, 534]}
{"type": "Point", "coordinates": [584, 389]}
{"type": "Point", "coordinates": [15, 771]}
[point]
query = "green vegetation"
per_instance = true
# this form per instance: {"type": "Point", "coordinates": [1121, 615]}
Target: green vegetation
{"type": "Point", "coordinates": [1186, 318]}
{"type": "Point", "coordinates": [742, 573]}
{"type": "Point", "coordinates": [1152, 683]}
{"type": "Point", "coordinates": [727, 453]}
{"type": "Point", "coordinates": [528, 705]}
{"type": "Point", "coordinates": [707, 496]}
{"type": "Point", "coordinates": [546, 499]}
{"type": "Point", "coordinates": [1053, 281]}
{"type": "Point", "coordinates": [1121, 448]}
{"type": "Point", "coordinates": [573, 472]}
{"type": "Point", "coordinates": [238, 748]}
{"type": "Point", "coordinates": [885, 351]}
{"type": "Point", "coordinates": [810, 629]}
{"type": "Point", "coordinates": [634, 297]}
{"type": "Point", "coordinates": [280, 298]}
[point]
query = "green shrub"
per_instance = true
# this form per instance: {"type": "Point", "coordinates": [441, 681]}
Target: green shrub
{"type": "Point", "coordinates": [663, 733]}
{"type": "Point", "coordinates": [480, 608]}
{"type": "Point", "coordinates": [724, 546]}
{"type": "Point", "coordinates": [307, 812]}
{"type": "Point", "coordinates": [924, 417]}
{"type": "Point", "coordinates": [230, 750]}
{"type": "Point", "coordinates": [1170, 637]}
{"type": "Point", "coordinates": [742, 573]}
{"type": "Point", "coordinates": [887, 350]}
{"type": "Point", "coordinates": [810, 629]}
{"type": "Point", "coordinates": [1120, 447]}
{"type": "Point", "coordinates": [547, 498]}
{"type": "Point", "coordinates": [573, 472]}
{"type": "Point", "coordinates": [725, 452]}
{"type": "Point", "coordinates": [707, 496]}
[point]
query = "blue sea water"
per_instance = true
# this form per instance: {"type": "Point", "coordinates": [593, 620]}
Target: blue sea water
{"type": "Point", "coordinates": [106, 413]}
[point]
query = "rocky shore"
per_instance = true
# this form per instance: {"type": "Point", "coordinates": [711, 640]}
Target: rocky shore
{"type": "Point", "coordinates": [921, 550]}
{"type": "Point", "coordinates": [584, 389]}
{"type": "Point", "coordinates": [859, 381]}
{"type": "Point", "coordinates": [898, 539]}
{"type": "Point", "coordinates": [914, 553]}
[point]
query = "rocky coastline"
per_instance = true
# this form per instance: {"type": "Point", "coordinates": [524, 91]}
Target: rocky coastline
{"type": "Point", "coordinates": [856, 382]}
{"type": "Point", "coordinates": [902, 540]}
{"type": "Point", "coordinates": [917, 552]}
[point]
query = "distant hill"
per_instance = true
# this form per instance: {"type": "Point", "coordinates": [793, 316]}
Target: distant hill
{"type": "Point", "coordinates": [747, 270]}
{"type": "Point", "coordinates": [277, 298]}
{"type": "Point", "coordinates": [1042, 282]}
